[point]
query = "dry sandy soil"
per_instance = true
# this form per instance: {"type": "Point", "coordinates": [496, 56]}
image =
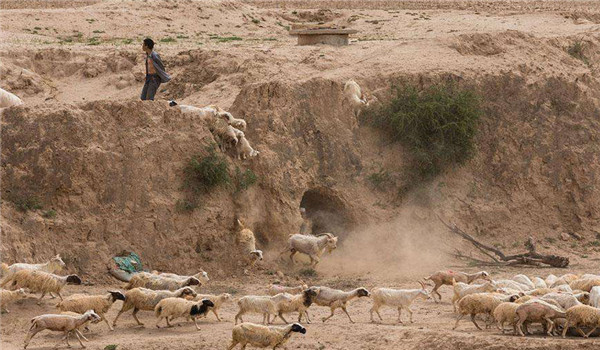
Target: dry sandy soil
{"type": "Point", "coordinates": [111, 167]}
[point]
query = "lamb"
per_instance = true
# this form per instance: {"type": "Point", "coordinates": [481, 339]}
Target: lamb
{"type": "Point", "coordinates": [564, 279]}
{"type": "Point", "coordinates": [157, 282]}
{"type": "Point", "coordinates": [462, 289]}
{"type": "Point", "coordinates": [506, 312]}
{"type": "Point", "coordinates": [260, 304]}
{"type": "Point", "coordinates": [582, 315]}
{"type": "Point", "coordinates": [60, 323]}
{"type": "Point", "coordinates": [206, 112]}
{"type": "Point", "coordinates": [313, 246]}
{"type": "Point", "coordinates": [585, 284]}
{"type": "Point", "coordinates": [277, 288]}
{"type": "Point", "coordinates": [8, 99]}
{"type": "Point", "coordinates": [525, 281]}
{"type": "Point", "coordinates": [397, 298]}
{"type": "Point", "coordinates": [245, 238]}
{"type": "Point", "coordinates": [566, 301]}
{"type": "Point", "coordinates": [263, 336]}
{"type": "Point", "coordinates": [537, 311]}
{"type": "Point", "coordinates": [334, 298]}
{"type": "Point", "coordinates": [563, 288]}
{"type": "Point", "coordinates": [7, 296]}
{"type": "Point", "coordinates": [511, 284]}
{"type": "Point", "coordinates": [99, 303]}
{"type": "Point", "coordinates": [53, 265]}
{"type": "Point", "coordinates": [539, 291]}
{"type": "Point", "coordinates": [235, 122]}
{"type": "Point", "coordinates": [44, 282]}
{"type": "Point", "coordinates": [224, 132]}
{"type": "Point", "coordinates": [202, 276]}
{"type": "Point", "coordinates": [147, 299]}
{"type": "Point", "coordinates": [243, 148]}
{"type": "Point", "coordinates": [441, 278]}
{"type": "Point", "coordinates": [287, 303]}
{"type": "Point", "coordinates": [480, 303]}
{"type": "Point", "coordinates": [178, 307]}
{"type": "Point", "coordinates": [539, 283]}
{"type": "Point", "coordinates": [550, 279]}
{"type": "Point", "coordinates": [217, 300]}
{"type": "Point", "coordinates": [595, 297]}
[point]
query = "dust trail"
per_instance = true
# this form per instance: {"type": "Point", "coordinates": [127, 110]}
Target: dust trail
{"type": "Point", "coordinates": [408, 247]}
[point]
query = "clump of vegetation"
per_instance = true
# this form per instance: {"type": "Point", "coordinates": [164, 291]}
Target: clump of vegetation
{"type": "Point", "coordinates": [308, 272]}
{"type": "Point", "coordinates": [224, 39]}
{"type": "Point", "coordinates": [185, 205]}
{"type": "Point", "coordinates": [49, 214]}
{"type": "Point", "coordinates": [255, 21]}
{"type": "Point", "coordinates": [26, 203]}
{"type": "Point", "coordinates": [203, 173]}
{"type": "Point", "coordinates": [437, 124]}
{"type": "Point", "coordinates": [168, 40]}
{"type": "Point", "coordinates": [576, 50]}
{"type": "Point", "coordinates": [244, 179]}
{"type": "Point", "coordinates": [94, 41]}
{"type": "Point", "coordinates": [110, 347]}
{"type": "Point", "coordinates": [380, 179]}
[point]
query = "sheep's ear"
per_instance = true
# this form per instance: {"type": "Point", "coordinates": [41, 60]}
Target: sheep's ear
{"type": "Point", "coordinates": [116, 295]}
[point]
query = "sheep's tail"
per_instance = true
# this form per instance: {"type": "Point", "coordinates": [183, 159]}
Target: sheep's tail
{"type": "Point", "coordinates": [158, 311]}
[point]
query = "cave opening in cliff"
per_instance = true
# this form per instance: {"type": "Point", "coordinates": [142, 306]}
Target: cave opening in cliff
{"type": "Point", "coordinates": [327, 212]}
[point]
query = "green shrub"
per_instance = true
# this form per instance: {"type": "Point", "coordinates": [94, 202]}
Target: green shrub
{"type": "Point", "coordinates": [204, 173]}
{"type": "Point", "coordinates": [309, 272]}
{"type": "Point", "coordinates": [168, 40]}
{"type": "Point", "coordinates": [243, 180]}
{"type": "Point", "coordinates": [24, 204]}
{"type": "Point", "coordinates": [576, 50]}
{"type": "Point", "coordinates": [49, 214]}
{"type": "Point", "coordinates": [380, 179]}
{"type": "Point", "coordinates": [224, 39]}
{"type": "Point", "coordinates": [110, 347]}
{"type": "Point", "coordinates": [437, 124]}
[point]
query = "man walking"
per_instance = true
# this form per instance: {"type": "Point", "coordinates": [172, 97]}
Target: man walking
{"type": "Point", "coordinates": [155, 71]}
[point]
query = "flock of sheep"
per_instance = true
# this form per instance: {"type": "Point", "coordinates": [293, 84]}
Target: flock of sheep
{"type": "Point", "coordinates": [557, 303]}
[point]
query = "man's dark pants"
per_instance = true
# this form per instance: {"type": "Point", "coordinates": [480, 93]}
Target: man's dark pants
{"type": "Point", "coordinates": [150, 87]}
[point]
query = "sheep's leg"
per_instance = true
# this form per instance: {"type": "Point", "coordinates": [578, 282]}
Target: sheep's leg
{"type": "Point", "coordinates": [458, 320]}
{"type": "Point", "coordinates": [374, 308]}
{"type": "Point", "coordinates": [500, 326]}
{"type": "Point", "coordinates": [328, 317]}
{"type": "Point", "coordinates": [314, 261]}
{"type": "Point", "coordinates": [52, 295]}
{"type": "Point", "coordinates": [30, 335]}
{"type": "Point", "coordinates": [293, 252]}
{"type": "Point", "coordinates": [347, 314]}
{"type": "Point", "coordinates": [216, 314]}
{"type": "Point", "coordinates": [519, 327]}
{"type": "Point", "coordinates": [307, 318]}
{"type": "Point", "coordinates": [65, 338]}
{"type": "Point", "coordinates": [399, 314]}
{"type": "Point", "coordinates": [233, 344]}
{"type": "Point", "coordinates": [239, 315]}
{"type": "Point", "coordinates": [580, 331]}
{"type": "Point", "coordinates": [118, 315]}
{"type": "Point", "coordinates": [434, 290]}
{"type": "Point", "coordinates": [590, 332]}
{"type": "Point", "coordinates": [40, 299]}
{"type": "Point", "coordinates": [168, 323]}
{"type": "Point", "coordinates": [284, 320]}
{"type": "Point", "coordinates": [79, 340]}
{"type": "Point", "coordinates": [60, 296]}
{"type": "Point", "coordinates": [134, 314]}
{"type": "Point", "coordinates": [81, 335]}
{"type": "Point", "coordinates": [474, 322]}
{"type": "Point", "coordinates": [550, 325]}
{"type": "Point", "coordinates": [108, 324]}
{"type": "Point", "coordinates": [196, 323]}
{"type": "Point", "coordinates": [410, 313]}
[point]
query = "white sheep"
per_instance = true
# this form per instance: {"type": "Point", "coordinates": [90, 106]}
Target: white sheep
{"type": "Point", "coordinates": [505, 283]}
{"type": "Point", "coordinates": [178, 307]}
{"type": "Point", "coordinates": [260, 304]}
{"type": "Point", "coordinates": [537, 311]}
{"type": "Point", "coordinates": [441, 278]}
{"type": "Point", "coordinates": [506, 312]}
{"type": "Point", "coordinates": [462, 289]}
{"type": "Point", "coordinates": [397, 298]}
{"type": "Point", "coordinates": [585, 284]}
{"type": "Point", "coordinates": [202, 276]}
{"type": "Point", "coordinates": [42, 282]}
{"type": "Point", "coordinates": [8, 99]}
{"type": "Point", "coordinates": [480, 303]}
{"type": "Point", "coordinates": [99, 303]}
{"type": "Point", "coordinates": [157, 282]}
{"type": "Point", "coordinates": [524, 280]}
{"type": "Point", "coordinates": [539, 283]}
{"type": "Point", "coordinates": [243, 148]}
{"type": "Point", "coordinates": [54, 265]}
{"type": "Point", "coordinates": [8, 296]}
{"type": "Point", "coordinates": [235, 122]}
{"type": "Point", "coordinates": [563, 288]}
{"type": "Point", "coordinates": [564, 279]}
{"type": "Point", "coordinates": [277, 288]}
{"type": "Point", "coordinates": [582, 315]}
{"type": "Point", "coordinates": [550, 279]}
{"type": "Point", "coordinates": [335, 298]}
{"type": "Point", "coordinates": [245, 238]}
{"type": "Point", "coordinates": [565, 300]}
{"type": "Point", "coordinates": [217, 300]}
{"type": "Point", "coordinates": [287, 303]}
{"type": "Point", "coordinates": [263, 336]}
{"type": "Point", "coordinates": [147, 299]}
{"type": "Point", "coordinates": [595, 297]}
{"type": "Point", "coordinates": [313, 246]}
{"type": "Point", "coordinates": [60, 323]}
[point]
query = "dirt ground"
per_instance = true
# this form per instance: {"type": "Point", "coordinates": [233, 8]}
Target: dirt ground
{"type": "Point", "coordinates": [59, 55]}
